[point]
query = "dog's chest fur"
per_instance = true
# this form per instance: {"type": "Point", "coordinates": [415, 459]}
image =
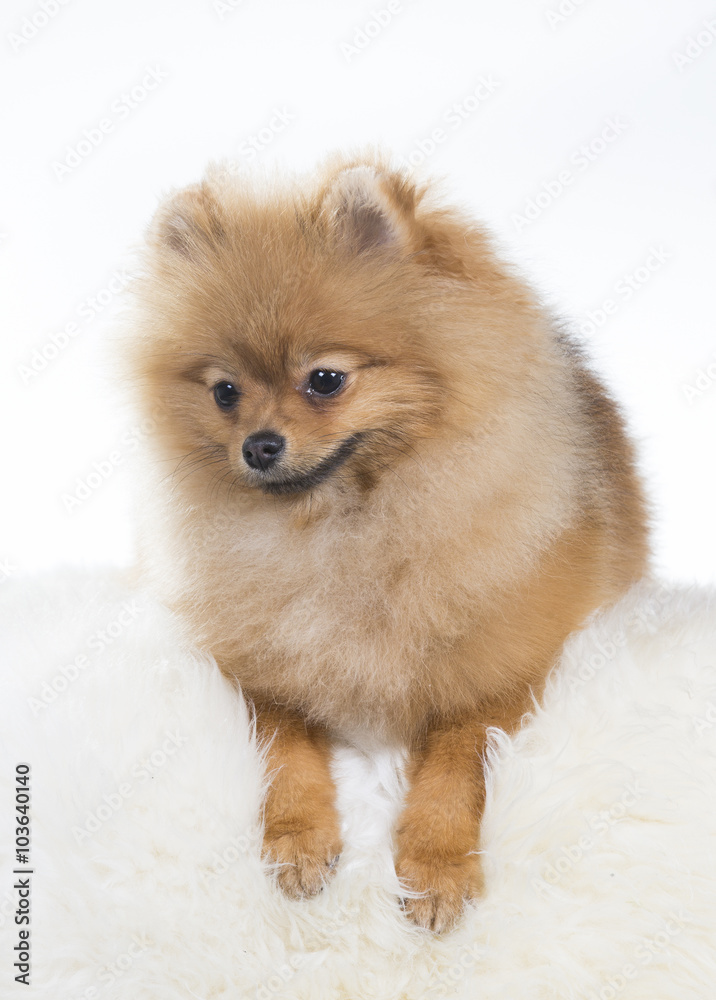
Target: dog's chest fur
{"type": "Point", "coordinates": [352, 619]}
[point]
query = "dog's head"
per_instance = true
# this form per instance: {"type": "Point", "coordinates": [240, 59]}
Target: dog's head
{"type": "Point", "coordinates": [295, 339]}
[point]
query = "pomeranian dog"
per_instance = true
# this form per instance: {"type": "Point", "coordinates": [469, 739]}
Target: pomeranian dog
{"type": "Point", "coordinates": [383, 489]}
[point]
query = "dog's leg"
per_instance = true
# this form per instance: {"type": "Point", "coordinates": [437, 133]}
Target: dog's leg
{"type": "Point", "coordinates": [301, 825]}
{"type": "Point", "coordinates": [439, 827]}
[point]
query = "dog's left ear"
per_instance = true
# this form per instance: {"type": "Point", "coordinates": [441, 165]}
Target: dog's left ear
{"type": "Point", "coordinates": [366, 210]}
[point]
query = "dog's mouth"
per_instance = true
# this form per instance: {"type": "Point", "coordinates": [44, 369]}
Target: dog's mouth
{"type": "Point", "coordinates": [302, 482]}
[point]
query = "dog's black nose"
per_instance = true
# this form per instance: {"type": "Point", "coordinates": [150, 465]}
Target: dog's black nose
{"type": "Point", "coordinates": [261, 450]}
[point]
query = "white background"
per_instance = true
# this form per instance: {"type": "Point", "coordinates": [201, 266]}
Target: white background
{"type": "Point", "coordinates": [557, 79]}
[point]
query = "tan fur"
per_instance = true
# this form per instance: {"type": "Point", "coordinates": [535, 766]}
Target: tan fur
{"type": "Point", "coordinates": [301, 825]}
{"type": "Point", "coordinates": [422, 590]}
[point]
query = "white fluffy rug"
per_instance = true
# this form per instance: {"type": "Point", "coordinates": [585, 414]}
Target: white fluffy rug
{"type": "Point", "coordinates": [600, 830]}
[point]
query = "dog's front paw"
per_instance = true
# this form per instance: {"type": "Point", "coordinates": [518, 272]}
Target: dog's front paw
{"type": "Point", "coordinates": [306, 858]}
{"type": "Point", "coordinates": [445, 884]}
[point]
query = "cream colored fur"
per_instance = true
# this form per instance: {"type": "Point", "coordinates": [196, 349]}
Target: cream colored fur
{"type": "Point", "coordinates": [168, 897]}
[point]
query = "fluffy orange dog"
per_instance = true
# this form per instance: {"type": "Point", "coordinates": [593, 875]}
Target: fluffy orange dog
{"type": "Point", "coordinates": [387, 489]}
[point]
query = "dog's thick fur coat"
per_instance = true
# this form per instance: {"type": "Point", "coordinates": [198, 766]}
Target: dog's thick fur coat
{"type": "Point", "coordinates": [410, 567]}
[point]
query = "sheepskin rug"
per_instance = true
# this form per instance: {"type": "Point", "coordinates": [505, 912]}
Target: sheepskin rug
{"type": "Point", "coordinates": [147, 884]}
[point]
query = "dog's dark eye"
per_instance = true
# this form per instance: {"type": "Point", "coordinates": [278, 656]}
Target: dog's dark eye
{"type": "Point", "coordinates": [226, 395]}
{"type": "Point", "coordinates": [325, 382]}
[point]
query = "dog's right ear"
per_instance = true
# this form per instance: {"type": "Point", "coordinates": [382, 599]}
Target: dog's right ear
{"type": "Point", "coordinates": [187, 224]}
